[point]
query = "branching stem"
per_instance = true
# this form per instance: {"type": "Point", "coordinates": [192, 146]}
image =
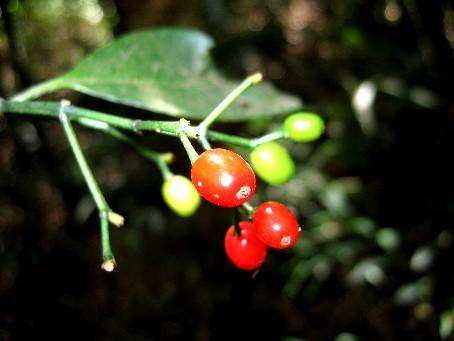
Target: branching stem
{"type": "Point", "coordinates": [161, 159]}
{"type": "Point", "coordinates": [99, 120]}
{"type": "Point", "coordinates": [105, 213]}
{"type": "Point", "coordinates": [227, 101]}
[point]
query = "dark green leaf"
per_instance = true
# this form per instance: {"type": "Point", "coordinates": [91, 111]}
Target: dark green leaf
{"type": "Point", "coordinates": [169, 71]}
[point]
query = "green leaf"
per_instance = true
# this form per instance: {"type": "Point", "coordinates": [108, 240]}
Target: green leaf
{"type": "Point", "coordinates": [169, 71]}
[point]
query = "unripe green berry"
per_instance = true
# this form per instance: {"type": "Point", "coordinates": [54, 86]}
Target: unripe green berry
{"type": "Point", "coordinates": [180, 195]}
{"type": "Point", "coordinates": [272, 163]}
{"type": "Point", "coordinates": [304, 127]}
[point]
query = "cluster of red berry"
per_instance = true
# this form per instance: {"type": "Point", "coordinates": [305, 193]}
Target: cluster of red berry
{"type": "Point", "coordinates": [225, 179]}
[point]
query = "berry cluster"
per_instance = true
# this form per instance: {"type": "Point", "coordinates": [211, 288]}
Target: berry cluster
{"type": "Point", "coordinates": [224, 178]}
{"type": "Point", "coordinates": [273, 225]}
{"type": "Point", "coordinates": [219, 175]}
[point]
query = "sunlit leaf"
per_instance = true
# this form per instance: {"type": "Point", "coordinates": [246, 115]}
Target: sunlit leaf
{"type": "Point", "coordinates": [169, 71]}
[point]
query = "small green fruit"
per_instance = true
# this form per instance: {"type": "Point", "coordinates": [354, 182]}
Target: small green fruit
{"type": "Point", "coordinates": [272, 163]}
{"type": "Point", "coordinates": [304, 127]}
{"type": "Point", "coordinates": [180, 195]}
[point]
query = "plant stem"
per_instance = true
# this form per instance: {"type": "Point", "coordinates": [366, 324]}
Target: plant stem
{"type": "Point", "coordinates": [273, 136]}
{"type": "Point", "coordinates": [227, 101]}
{"type": "Point", "coordinates": [245, 142]}
{"type": "Point", "coordinates": [107, 254]}
{"type": "Point", "coordinates": [101, 203]}
{"type": "Point", "coordinates": [192, 153]}
{"type": "Point", "coordinates": [204, 142]}
{"type": "Point", "coordinates": [38, 90]}
{"type": "Point", "coordinates": [51, 109]}
{"type": "Point", "coordinates": [248, 208]}
{"type": "Point", "coordinates": [227, 138]}
{"type": "Point", "coordinates": [161, 159]}
{"type": "Point", "coordinates": [106, 213]}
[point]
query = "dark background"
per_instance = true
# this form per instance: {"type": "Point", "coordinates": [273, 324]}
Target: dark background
{"type": "Point", "coordinates": [374, 195]}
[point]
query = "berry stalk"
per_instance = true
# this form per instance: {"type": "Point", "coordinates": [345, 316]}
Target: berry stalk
{"type": "Point", "coordinates": [227, 101]}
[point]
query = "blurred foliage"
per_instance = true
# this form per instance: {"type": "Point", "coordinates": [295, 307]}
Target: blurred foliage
{"type": "Point", "coordinates": [374, 196]}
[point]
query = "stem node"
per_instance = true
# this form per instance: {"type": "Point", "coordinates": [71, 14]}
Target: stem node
{"type": "Point", "coordinates": [135, 126]}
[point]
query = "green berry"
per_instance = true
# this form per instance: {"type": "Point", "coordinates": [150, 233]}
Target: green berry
{"type": "Point", "coordinates": [180, 195]}
{"type": "Point", "coordinates": [272, 163]}
{"type": "Point", "coordinates": [304, 127]}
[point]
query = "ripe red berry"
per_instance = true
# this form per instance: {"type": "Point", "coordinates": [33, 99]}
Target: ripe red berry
{"type": "Point", "coordinates": [223, 177]}
{"type": "Point", "coordinates": [246, 251]}
{"type": "Point", "coordinates": [275, 225]}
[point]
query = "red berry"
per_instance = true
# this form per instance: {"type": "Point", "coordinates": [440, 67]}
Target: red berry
{"type": "Point", "coordinates": [275, 225]}
{"type": "Point", "coordinates": [246, 251]}
{"type": "Point", "coordinates": [223, 177]}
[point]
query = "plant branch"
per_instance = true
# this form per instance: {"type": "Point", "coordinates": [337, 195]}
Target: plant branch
{"type": "Point", "coordinates": [182, 134]}
{"type": "Point", "coordinates": [161, 159]}
{"type": "Point", "coordinates": [51, 109]}
{"type": "Point", "coordinates": [227, 101]}
{"type": "Point", "coordinates": [38, 90]}
{"type": "Point", "coordinates": [108, 258]}
{"type": "Point", "coordinates": [245, 142]}
{"type": "Point", "coordinates": [204, 142]}
{"type": "Point", "coordinates": [227, 138]}
{"type": "Point", "coordinates": [273, 136]}
{"type": "Point", "coordinates": [171, 128]}
{"type": "Point", "coordinates": [106, 214]}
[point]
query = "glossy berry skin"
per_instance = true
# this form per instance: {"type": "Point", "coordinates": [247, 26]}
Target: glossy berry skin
{"type": "Point", "coordinates": [223, 177]}
{"type": "Point", "coordinates": [275, 225]}
{"type": "Point", "coordinates": [304, 127]}
{"type": "Point", "coordinates": [180, 195]}
{"type": "Point", "coordinates": [272, 163]}
{"type": "Point", "coordinates": [245, 251]}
